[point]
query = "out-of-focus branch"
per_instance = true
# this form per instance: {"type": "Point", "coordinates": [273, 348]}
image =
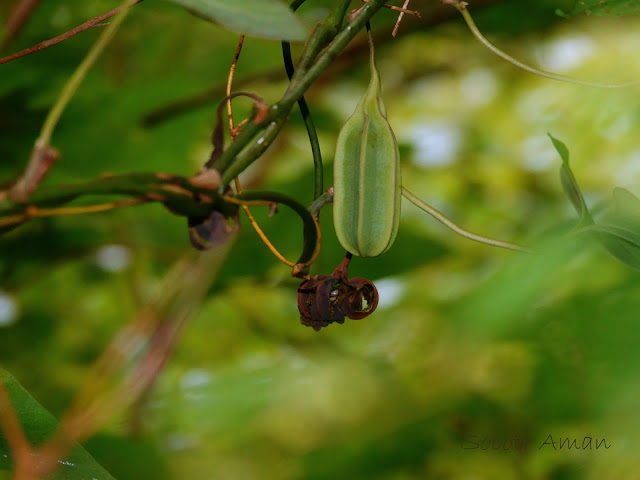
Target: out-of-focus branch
{"type": "Point", "coordinates": [127, 369]}
{"type": "Point", "coordinates": [43, 158]}
{"type": "Point", "coordinates": [94, 22]}
{"type": "Point", "coordinates": [16, 21]}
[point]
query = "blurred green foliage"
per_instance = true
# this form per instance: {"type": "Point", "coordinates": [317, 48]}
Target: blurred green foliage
{"type": "Point", "coordinates": [469, 342]}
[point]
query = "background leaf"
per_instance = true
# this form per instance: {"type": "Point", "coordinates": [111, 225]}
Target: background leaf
{"type": "Point", "coordinates": [569, 183]}
{"type": "Point", "coordinates": [627, 205]}
{"type": "Point", "coordinates": [260, 18]}
{"type": "Point", "coordinates": [622, 243]}
{"type": "Point", "coordinates": [38, 425]}
{"type": "Point", "coordinates": [617, 8]}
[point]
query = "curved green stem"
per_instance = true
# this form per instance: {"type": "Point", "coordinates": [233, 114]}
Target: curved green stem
{"type": "Point", "coordinates": [311, 231]}
{"type": "Point", "coordinates": [306, 116]}
{"type": "Point", "coordinates": [553, 76]}
{"type": "Point", "coordinates": [459, 230]}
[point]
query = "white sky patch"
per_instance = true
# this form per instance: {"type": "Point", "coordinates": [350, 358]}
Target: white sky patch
{"type": "Point", "coordinates": [629, 171]}
{"type": "Point", "coordinates": [538, 106]}
{"type": "Point", "coordinates": [178, 441]}
{"type": "Point", "coordinates": [537, 154]}
{"type": "Point", "coordinates": [478, 87]}
{"type": "Point", "coordinates": [8, 310]}
{"type": "Point", "coordinates": [196, 377]}
{"type": "Point", "coordinates": [566, 53]}
{"type": "Point", "coordinates": [389, 292]}
{"type": "Point", "coordinates": [435, 144]}
{"type": "Point", "coordinates": [257, 361]}
{"type": "Point", "coordinates": [612, 125]}
{"type": "Point", "coordinates": [344, 98]}
{"type": "Point", "coordinates": [113, 258]}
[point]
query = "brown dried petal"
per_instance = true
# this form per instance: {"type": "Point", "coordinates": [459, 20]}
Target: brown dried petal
{"type": "Point", "coordinates": [325, 299]}
{"type": "Point", "coordinates": [362, 300]}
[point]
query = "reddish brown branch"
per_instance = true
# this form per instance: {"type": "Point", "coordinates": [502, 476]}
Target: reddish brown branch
{"type": "Point", "coordinates": [42, 159]}
{"type": "Point", "coordinates": [395, 29]}
{"type": "Point", "coordinates": [17, 20]}
{"type": "Point", "coordinates": [94, 22]}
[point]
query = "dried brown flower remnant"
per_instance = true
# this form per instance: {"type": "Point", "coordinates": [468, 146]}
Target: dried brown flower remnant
{"type": "Point", "coordinates": [324, 299]}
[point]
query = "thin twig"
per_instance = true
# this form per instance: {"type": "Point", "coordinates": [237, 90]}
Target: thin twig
{"type": "Point", "coordinates": [16, 21]}
{"type": "Point", "coordinates": [232, 70]}
{"type": "Point", "coordinates": [402, 11]}
{"type": "Point", "coordinates": [94, 22]}
{"type": "Point", "coordinates": [395, 29]}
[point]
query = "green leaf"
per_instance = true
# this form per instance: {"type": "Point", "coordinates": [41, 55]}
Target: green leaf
{"type": "Point", "coordinates": [620, 230]}
{"type": "Point", "coordinates": [38, 425]}
{"type": "Point", "coordinates": [622, 243]}
{"type": "Point", "coordinates": [561, 148]}
{"type": "Point", "coordinates": [569, 183]}
{"type": "Point", "coordinates": [259, 18]}
{"type": "Point", "coordinates": [626, 205]}
{"type": "Point", "coordinates": [616, 8]}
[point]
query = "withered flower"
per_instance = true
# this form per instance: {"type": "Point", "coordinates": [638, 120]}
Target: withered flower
{"type": "Point", "coordinates": [324, 299]}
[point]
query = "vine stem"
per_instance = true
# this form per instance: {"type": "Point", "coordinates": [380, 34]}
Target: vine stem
{"type": "Point", "coordinates": [81, 72]}
{"type": "Point", "coordinates": [232, 135]}
{"type": "Point", "coordinates": [35, 212]}
{"type": "Point", "coordinates": [459, 230]}
{"type": "Point", "coordinates": [312, 233]}
{"type": "Point", "coordinates": [461, 7]}
{"type": "Point", "coordinates": [244, 150]}
{"type": "Point", "coordinates": [306, 116]}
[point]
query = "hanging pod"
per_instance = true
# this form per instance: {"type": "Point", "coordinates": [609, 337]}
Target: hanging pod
{"type": "Point", "coordinates": [366, 176]}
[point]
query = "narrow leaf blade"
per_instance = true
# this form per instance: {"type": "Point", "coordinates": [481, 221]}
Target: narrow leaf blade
{"type": "Point", "coordinates": [626, 204]}
{"type": "Point", "coordinates": [569, 183]}
{"type": "Point", "coordinates": [38, 425]}
{"type": "Point", "coordinates": [621, 242]}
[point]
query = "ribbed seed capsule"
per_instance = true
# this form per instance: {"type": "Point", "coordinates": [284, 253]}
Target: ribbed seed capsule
{"type": "Point", "coordinates": [366, 176]}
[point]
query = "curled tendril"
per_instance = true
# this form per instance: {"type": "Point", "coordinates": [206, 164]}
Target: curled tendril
{"type": "Point", "coordinates": [324, 299]}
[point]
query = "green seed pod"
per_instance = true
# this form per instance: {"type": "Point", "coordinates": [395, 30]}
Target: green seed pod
{"type": "Point", "coordinates": [366, 176]}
